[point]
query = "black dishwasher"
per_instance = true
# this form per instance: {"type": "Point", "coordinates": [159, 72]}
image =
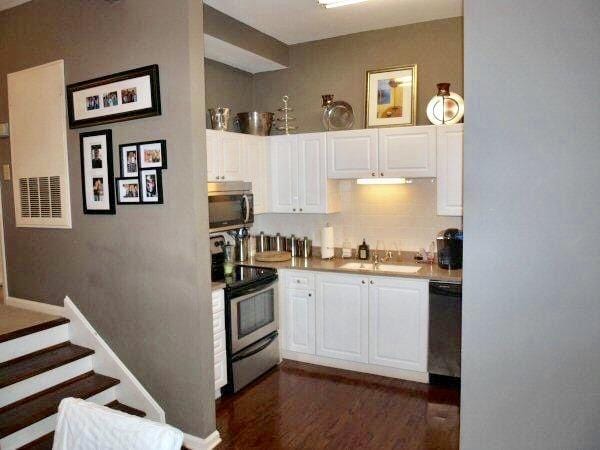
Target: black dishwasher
{"type": "Point", "coordinates": [445, 317]}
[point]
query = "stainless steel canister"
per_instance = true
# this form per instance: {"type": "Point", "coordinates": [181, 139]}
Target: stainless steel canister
{"type": "Point", "coordinates": [305, 247]}
{"type": "Point", "coordinates": [293, 245]}
{"type": "Point", "coordinates": [219, 118]}
{"type": "Point", "coordinates": [262, 242]}
{"type": "Point", "coordinates": [280, 244]}
{"type": "Point", "coordinates": [257, 123]}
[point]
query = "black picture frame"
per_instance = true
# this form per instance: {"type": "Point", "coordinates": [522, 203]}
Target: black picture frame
{"type": "Point", "coordinates": [127, 148]}
{"type": "Point", "coordinates": [163, 153]}
{"type": "Point", "coordinates": [159, 187]}
{"type": "Point", "coordinates": [154, 110]}
{"type": "Point", "coordinates": [109, 172]}
{"type": "Point", "coordinates": [118, 191]}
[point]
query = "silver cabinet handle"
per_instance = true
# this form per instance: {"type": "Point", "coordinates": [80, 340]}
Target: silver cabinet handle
{"type": "Point", "coordinates": [372, 174]}
{"type": "Point", "coordinates": [223, 177]}
{"type": "Point", "coordinates": [363, 281]}
{"type": "Point", "coordinates": [297, 281]}
{"type": "Point", "coordinates": [300, 209]}
{"type": "Point", "coordinates": [381, 173]}
{"type": "Point", "coordinates": [310, 295]}
{"type": "Point", "coordinates": [371, 282]}
{"type": "Point", "coordinates": [294, 209]}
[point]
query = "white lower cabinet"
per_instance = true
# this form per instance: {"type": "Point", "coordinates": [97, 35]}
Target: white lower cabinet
{"type": "Point", "coordinates": [398, 318]}
{"type": "Point", "coordinates": [368, 322]}
{"type": "Point", "coordinates": [220, 350]}
{"type": "Point", "coordinates": [300, 320]}
{"type": "Point", "coordinates": [342, 317]}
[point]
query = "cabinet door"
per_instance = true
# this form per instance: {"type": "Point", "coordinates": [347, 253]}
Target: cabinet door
{"type": "Point", "coordinates": [450, 170]}
{"type": "Point", "coordinates": [342, 307]}
{"type": "Point", "coordinates": [300, 321]}
{"type": "Point", "coordinates": [232, 157]}
{"type": "Point", "coordinates": [407, 152]}
{"type": "Point", "coordinates": [398, 318]}
{"type": "Point", "coordinates": [213, 155]}
{"type": "Point", "coordinates": [352, 154]}
{"type": "Point", "coordinates": [284, 174]}
{"type": "Point", "coordinates": [312, 173]}
{"type": "Point", "coordinates": [257, 170]}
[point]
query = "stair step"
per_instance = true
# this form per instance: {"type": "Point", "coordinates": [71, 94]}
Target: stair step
{"type": "Point", "coordinates": [45, 442]}
{"type": "Point", "coordinates": [33, 364]}
{"type": "Point", "coordinates": [118, 406]}
{"type": "Point", "coordinates": [28, 411]}
{"type": "Point", "coordinates": [33, 329]}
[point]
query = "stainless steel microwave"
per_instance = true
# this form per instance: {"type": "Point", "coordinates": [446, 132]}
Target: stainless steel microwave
{"type": "Point", "coordinates": [230, 205]}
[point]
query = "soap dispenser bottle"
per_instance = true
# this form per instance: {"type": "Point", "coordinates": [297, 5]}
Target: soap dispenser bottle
{"type": "Point", "coordinates": [363, 251]}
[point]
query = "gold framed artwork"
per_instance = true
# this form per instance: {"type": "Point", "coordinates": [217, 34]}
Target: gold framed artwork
{"type": "Point", "coordinates": [391, 97]}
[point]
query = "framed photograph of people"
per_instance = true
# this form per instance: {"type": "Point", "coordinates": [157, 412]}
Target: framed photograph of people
{"type": "Point", "coordinates": [97, 172]}
{"type": "Point", "coordinates": [151, 186]}
{"type": "Point", "coordinates": [391, 97]}
{"type": "Point", "coordinates": [153, 154]}
{"type": "Point", "coordinates": [128, 157]}
{"type": "Point", "coordinates": [128, 191]}
{"type": "Point", "coordinates": [133, 94]}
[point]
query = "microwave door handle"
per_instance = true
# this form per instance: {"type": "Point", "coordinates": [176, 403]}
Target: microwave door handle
{"type": "Point", "coordinates": [246, 208]}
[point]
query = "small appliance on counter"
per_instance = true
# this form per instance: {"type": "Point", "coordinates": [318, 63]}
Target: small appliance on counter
{"type": "Point", "coordinates": [450, 249]}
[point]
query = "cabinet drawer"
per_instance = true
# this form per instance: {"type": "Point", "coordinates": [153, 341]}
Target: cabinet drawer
{"type": "Point", "coordinates": [220, 370]}
{"type": "Point", "coordinates": [218, 301]}
{"type": "Point", "coordinates": [301, 280]}
{"type": "Point", "coordinates": [218, 322]}
{"type": "Point", "coordinates": [219, 343]}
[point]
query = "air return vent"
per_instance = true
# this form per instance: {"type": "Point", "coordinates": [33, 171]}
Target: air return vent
{"type": "Point", "coordinates": [38, 144]}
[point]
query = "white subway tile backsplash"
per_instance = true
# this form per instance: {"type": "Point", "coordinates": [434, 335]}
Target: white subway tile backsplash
{"type": "Point", "coordinates": [404, 215]}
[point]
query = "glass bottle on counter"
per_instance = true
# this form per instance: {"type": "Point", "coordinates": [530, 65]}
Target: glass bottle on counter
{"type": "Point", "coordinates": [363, 251]}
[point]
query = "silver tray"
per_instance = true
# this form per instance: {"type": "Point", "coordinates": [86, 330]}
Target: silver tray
{"type": "Point", "coordinates": [338, 116]}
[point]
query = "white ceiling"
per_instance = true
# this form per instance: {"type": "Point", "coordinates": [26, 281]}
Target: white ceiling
{"type": "Point", "coordinates": [5, 4]}
{"type": "Point", "coordinates": [295, 21]}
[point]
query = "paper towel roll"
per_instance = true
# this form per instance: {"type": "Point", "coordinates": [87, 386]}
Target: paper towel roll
{"type": "Point", "coordinates": [327, 245]}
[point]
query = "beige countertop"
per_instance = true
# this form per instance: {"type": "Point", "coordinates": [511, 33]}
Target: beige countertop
{"type": "Point", "coordinates": [428, 271]}
{"type": "Point", "coordinates": [216, 285]}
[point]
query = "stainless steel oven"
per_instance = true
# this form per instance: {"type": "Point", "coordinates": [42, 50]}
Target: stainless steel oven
{"type": "Point", "coordinates": [252, 312]}
{"type": "Point", "coordinates": [230, 205]}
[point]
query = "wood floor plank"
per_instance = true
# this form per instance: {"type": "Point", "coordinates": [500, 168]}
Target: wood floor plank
{"type": "Point", "coordinates": [302, 406]}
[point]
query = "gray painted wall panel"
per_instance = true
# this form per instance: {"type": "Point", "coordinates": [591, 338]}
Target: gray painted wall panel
{"type": "Point", "coordinates": [531, 314]}
{"type": "Point", "coordinates": [141, 277]}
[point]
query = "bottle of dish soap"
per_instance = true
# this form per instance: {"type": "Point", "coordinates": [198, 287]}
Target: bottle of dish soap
{"type": "Point", "coordinates": [363, 251]}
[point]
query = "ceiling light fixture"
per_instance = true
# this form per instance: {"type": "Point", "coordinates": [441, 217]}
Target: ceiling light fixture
{"type": "Point", "coordinates": [383, 181]}
{"type": "Point", "coordinates": [336, 3]}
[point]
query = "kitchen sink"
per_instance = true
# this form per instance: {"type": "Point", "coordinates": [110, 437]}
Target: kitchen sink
{"type": "Point", "coordinates": [382, 267]}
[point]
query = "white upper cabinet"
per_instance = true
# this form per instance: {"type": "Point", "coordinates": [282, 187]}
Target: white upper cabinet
{"type": "Point", "coordinates": [398, 323]}
{"type": "Point", "coordinates": [407, 152]}
{"type": "Point", "coordinates": [257, 170]}
{"type": "Point", "coordinates": [300, 321]}
{"type": "Point", "coordinates": [284, 173]}
{"type": "Point", "coordinates": [342, 317]}
{"type": "Point", "coordinates": [233, 157]}
{"type": "Point", "coordinates": [225, 156]}
{"type": "Point", "coordinates": [352, 154]}
{"type": "Point", "coordinates": [299, 181]}
{"type": "Point", "coordinates": [213, 155]}
{"type": "Point", "coordinates": [450, 170]}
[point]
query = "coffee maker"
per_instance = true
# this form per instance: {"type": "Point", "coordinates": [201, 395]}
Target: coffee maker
{"type": "Point", "coordinates": [450, 248]}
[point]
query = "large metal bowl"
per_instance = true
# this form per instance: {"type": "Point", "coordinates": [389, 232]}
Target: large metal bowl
{"type": "Point", "coordinates": [257, 123]}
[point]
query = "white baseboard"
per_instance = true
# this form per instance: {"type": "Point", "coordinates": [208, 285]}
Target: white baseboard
{"type": "Point", "coordinates": [35, 306]}
{"type": "Point", "coordinates": [421, 377]}
{"type": "Point", "coordinates": [197, 443]}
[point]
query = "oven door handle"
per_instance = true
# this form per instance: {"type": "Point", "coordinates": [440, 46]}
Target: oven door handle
{"type": "Point", "coordinates": [255, 348]}
{"type": "Point", "coordinates": [253, 291]}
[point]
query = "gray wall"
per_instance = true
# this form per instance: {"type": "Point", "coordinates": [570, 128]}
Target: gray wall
{"type": "Point", "coordinates": [227, 86]}
{"type": "Point", "coordinates": [338, 66]}
{"type": "Point", "coordinates": [531, 314]}
{"type": "Point", "coordinates": [141, 277]}
{"type": "Point", "coordinates": [228, 29]}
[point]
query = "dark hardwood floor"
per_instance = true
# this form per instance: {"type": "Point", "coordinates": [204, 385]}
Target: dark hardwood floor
{"type": "Point", "coordinates": [303, 406]}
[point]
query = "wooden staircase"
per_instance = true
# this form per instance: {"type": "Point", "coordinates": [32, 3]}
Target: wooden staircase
{"type": "Point", "coordinates": [39, 367]}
